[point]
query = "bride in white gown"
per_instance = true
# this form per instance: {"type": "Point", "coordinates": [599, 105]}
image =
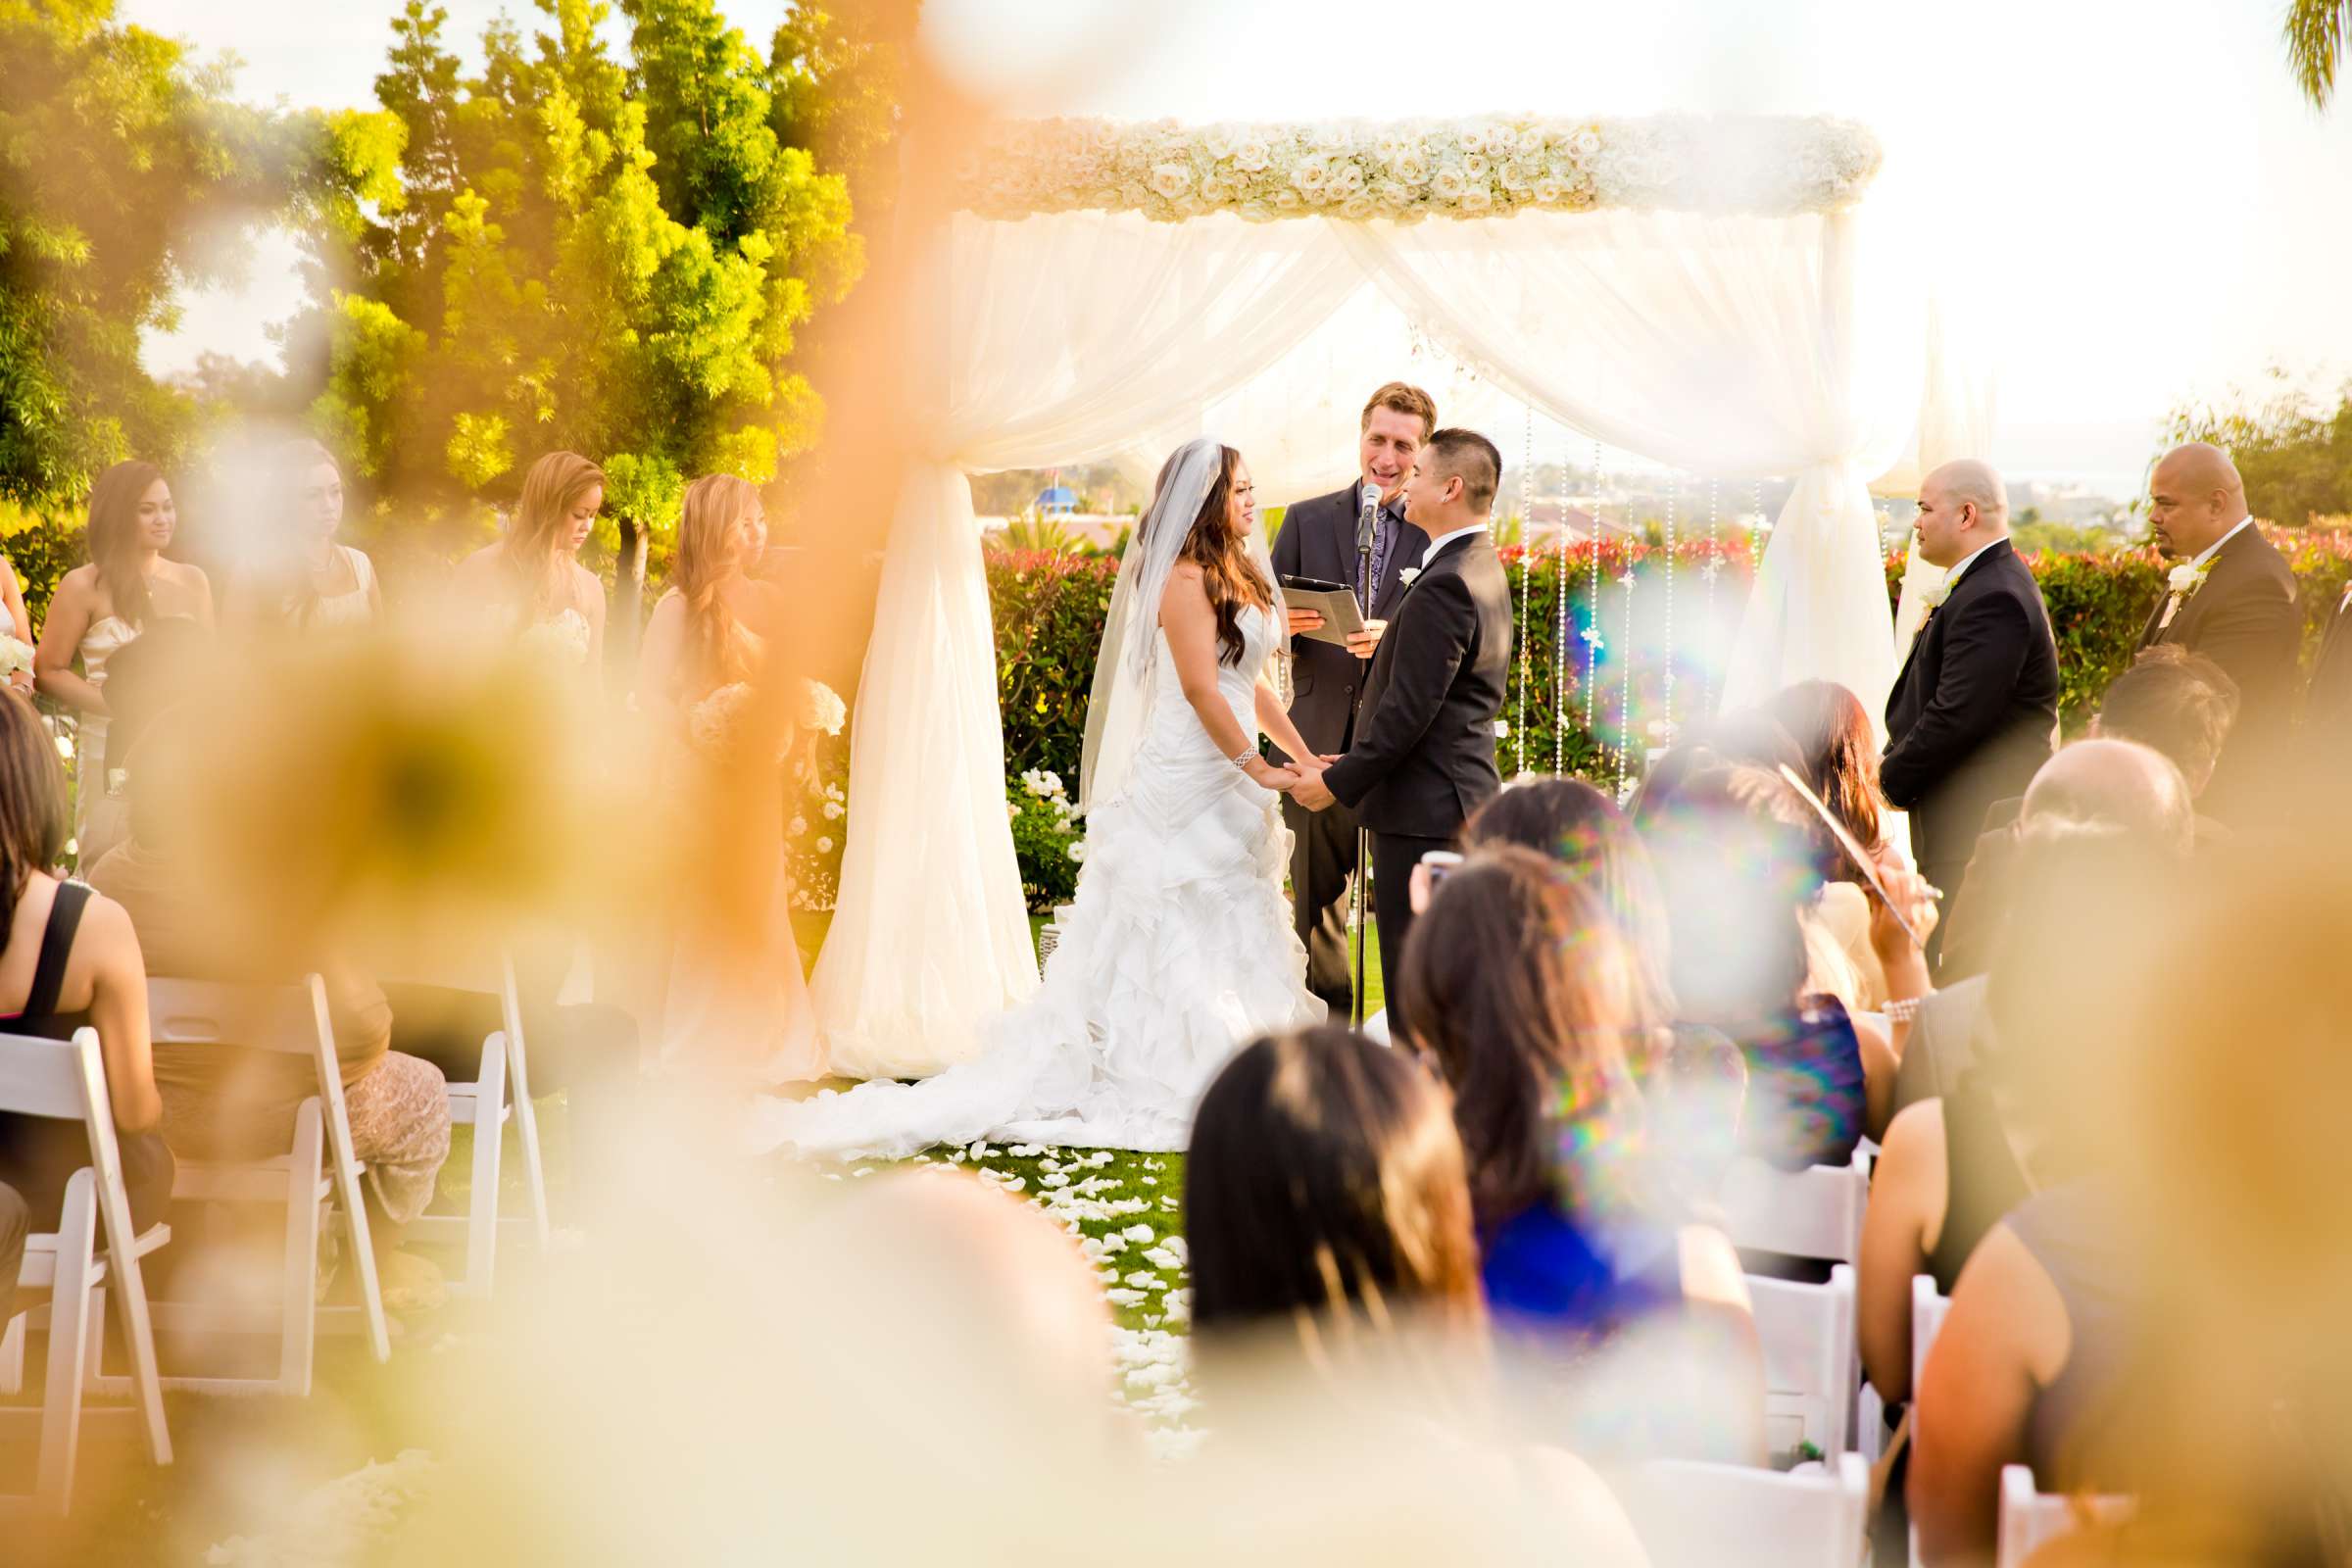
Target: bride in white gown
{"type": "Point", "coordinates": [1181, 948]}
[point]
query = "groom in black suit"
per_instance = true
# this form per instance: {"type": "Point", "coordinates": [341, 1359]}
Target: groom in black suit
{"type": "Point", "coordinates": [1974, 712]}
{"type": "Point", "coordinates": [1318, 540]}
{"type": "Point", "coordinates": [1424, 753]}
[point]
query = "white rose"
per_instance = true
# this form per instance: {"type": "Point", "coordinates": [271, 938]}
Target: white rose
{"type": "Point", "coordinates": [1311, 174]}
{"type": "Point", "coordinates": [1449, 184]}
{"type": "Point", "coordinates": [1215, 191]}
{"type": "Point", "coordinates": [1287, 200]}
{"type": "Point", "coordinates": [1521, 175]}
{"type": "Point", "coordinates": [1529, 142]}
{"type": "Point", "coordinates": [1476, 168]}
{"type": "Point", "coordinates": [1217, 141]}
{"type": "Point", "coordinates": [1584, 145]}
{"type": "Point", "coordinates": [1251, 155]}
{"type": "Point", "coordinates": [1171, 181]}
{"type": "Point", "coordinates": [1391, 195]}
{"type": "Point", "coordinates": [1413, 168]}
{"type": "Point", "coordinates": [1357, 208]}
{"type": "Point", "coordinates": [1473, 140]}
{"type": "Point", "coordinates": [1348, 179]}
{"type": "Point", "coordinates": [1476, 200]}
{"type": "Point", "coordinates": [1552, 192]}
{"type": "Point", "coordinates": [1076, 852]}
{"type": "Point", "coordinates": [1386, 147]}
{"type": "Point", "coordinates": [1255, 212]}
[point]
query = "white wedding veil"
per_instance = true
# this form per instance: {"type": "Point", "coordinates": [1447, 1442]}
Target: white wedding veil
{"type": "Point", "coordinates": [1128, 657]}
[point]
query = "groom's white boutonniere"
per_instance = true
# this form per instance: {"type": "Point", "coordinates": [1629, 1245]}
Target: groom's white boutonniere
{"type": "Point", "coordinates": [1932, 598]}
{"type": "Point", "coordinates": [2181, 582]}
{"type": "Point", "coordinates": [1409, 575]}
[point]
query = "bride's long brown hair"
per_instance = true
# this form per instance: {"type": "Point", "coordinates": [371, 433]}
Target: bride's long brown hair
{"type": "Point", "coordinates": [1220, 547]}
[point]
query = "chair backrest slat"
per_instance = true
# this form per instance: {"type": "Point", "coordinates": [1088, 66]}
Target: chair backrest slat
{"type": "Point", "coordinates": [39, 1077]}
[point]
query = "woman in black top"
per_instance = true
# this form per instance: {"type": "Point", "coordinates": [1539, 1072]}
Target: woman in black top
{"type": "Point", "coordinates": [68, 960]}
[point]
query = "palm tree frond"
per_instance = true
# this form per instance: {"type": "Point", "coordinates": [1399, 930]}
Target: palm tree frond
{"type": "Point", "coordinates": [2315, 32]}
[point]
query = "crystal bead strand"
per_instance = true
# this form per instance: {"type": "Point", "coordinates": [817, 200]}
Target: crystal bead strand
{"type": "Point", "coordinates": [1527, 546]}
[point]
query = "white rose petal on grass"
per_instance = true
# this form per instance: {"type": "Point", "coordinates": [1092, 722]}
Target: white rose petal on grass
{"type": "Point", "coordinates": [1137, 1233]}
{"type": "Point", "coordinates": [1053, 1180]}
{"type": "Point", "coordinates": [1114, 1243]}
{"type": "Point", "coordinates": [1167, 1203]}
{"type": "Point", "coordinates": [1161, 1257]}
{"type": "Point", "coordinates": [1124, 1297]}
{"type": "Point", "coordinates": [1144, 1279]}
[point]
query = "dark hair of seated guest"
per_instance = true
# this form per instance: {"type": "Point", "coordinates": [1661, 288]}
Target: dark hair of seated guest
{"type": "Point", "coordinates": [2180, 704]}
{"type": "Point", "coordinates": [1595, 846]}
{"type": "Point", "coordinates": [1523, 994]}
{"type": "Point", "coordinates": [1832, 728]}
{"type": "Point", "coordinates": [1324, 1186]}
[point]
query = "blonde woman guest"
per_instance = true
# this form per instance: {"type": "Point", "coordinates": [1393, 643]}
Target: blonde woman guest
{"type": "Point", "coordinates": [533, 578]}
{"type": "Point", "coordinates": [732, 996]}
{"type": "Point", "coordinates": [305, 580]}
{"type": "Point", "coordinates": [127, 587]}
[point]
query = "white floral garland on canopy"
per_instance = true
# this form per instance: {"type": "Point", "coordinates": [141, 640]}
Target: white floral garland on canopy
{"type": "Point", "coordinates": [1405, 172]}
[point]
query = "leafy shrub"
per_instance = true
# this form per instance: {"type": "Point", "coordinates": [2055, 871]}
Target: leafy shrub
{"type": "Point", "coordinates": [1047, 838]}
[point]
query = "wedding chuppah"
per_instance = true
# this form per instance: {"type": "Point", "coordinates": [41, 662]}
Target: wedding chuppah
{"type": "Point", "coordinates": [1712, 294]}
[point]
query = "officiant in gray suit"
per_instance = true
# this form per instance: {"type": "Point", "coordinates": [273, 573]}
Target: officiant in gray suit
{"type": "Point", "coordinates": [1318, 540]}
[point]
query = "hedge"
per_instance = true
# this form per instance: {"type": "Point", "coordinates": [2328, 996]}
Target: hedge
{"type": "Point", "coordinates": [1049, 610]}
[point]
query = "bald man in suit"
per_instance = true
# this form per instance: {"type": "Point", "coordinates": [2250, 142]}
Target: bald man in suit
{"type": "Point", "coordinates": [2231, 598]}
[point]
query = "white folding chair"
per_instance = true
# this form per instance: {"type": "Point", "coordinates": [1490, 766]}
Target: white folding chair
{"type": "Point", "coordinates": [1811, 1360]}
{"type": "Point", "coordinates": [1928, 1307]}
{"type": "Point", "coordinates": [66, 1081]}
{"type": "Point", "coordinates": [2029, 1518]}
{"type": "Point", "coordinates": [1813, 1213]}
{"type": "Point", "coordinates": [486, 1105]}
{"type": "Point", "coordinates": [321, 1168]}
{"type": "Point", "coordinates": [1696, 1515]}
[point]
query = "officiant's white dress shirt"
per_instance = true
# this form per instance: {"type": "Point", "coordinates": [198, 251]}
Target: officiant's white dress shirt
{"type": "Point", "coordinates": [1442, 540]}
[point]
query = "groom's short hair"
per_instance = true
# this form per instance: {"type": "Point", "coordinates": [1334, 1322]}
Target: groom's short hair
{"type": "Point", "coordinates": [1470, 458]}
{"type": "Point", "coordinates": [1403, 397]}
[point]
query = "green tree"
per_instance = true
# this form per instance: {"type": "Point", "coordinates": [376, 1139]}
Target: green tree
{"type": "Point", "coordinates": [602, 255]}
{"type": "Point", "coordinates": [120, 159]}
{"type": "Point", "coordinates": [2315, 44]}
{"type": "Point", "coordinates": [2294, 453]}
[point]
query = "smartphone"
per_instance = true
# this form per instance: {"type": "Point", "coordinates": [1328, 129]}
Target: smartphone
{"type": "Point", "coordinates": [1431, 870]}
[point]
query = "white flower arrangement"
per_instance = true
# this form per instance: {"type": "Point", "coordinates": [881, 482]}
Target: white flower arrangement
{"type": "Point", "coordinates": [561, 639]}
{"type": "Point", "coordinates": [1408, 575]}
{"type": "Point", "coordinates": [1932, 598]}
{"type": "Point", "coordinates": [713, 721]}
{"type": "Point", "coordinates": [1406, 171]}
{"type": "Point", "coordinates": [15, 653]}
{"type": "Point", "coordinates": [821, 707]}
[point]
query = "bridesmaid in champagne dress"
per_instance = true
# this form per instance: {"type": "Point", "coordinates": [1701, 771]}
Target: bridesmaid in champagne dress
{"type": "Point", "coordinates": [726, 996]}
{"type": "Point", "coordinates": [99, 607]}
{"type": "Point", "coordinates": [303, 579]}
{"type": "Point", "coordinates": [532, 580]}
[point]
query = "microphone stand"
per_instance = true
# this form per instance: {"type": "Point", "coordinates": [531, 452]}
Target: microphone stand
{"type": "Point", "coordinates": [1363, 844]}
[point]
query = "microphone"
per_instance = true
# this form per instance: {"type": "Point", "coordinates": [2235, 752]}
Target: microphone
{"type": "Point", "coordinates": [1365, 520]}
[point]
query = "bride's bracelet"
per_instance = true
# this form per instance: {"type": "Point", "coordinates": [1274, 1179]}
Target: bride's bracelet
{"type": "Point", "coordinates": [1902, 1009]}
{"type": "Point", "coordinates": [1242, 759]}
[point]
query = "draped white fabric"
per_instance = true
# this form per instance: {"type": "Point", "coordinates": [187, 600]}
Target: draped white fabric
{"type": "Point", "coordinates": [1734, 347]}
{"type": "Point", "coordinates": [1055, 339]}
{"type": "Point", "coordinates": [1726, 346]}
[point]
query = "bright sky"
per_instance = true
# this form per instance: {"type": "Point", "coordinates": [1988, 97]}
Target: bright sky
{"type": "Point", "coordinates": [2146, 208]}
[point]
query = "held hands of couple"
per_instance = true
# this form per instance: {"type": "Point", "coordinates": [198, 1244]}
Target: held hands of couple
{"type": "Point", "coordinates": [1309, 791]}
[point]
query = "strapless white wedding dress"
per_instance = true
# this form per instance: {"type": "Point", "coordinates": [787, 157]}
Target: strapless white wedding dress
{"type": "Point", "coordinates": [1180, 951]}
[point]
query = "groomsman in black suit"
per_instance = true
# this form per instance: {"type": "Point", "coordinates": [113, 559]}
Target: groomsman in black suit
{"type": "Point", "coordinates": [1975, 711]}
{"type": "Point", "coordinates": [2231, 597]}
{"type": "Point", "coordinates": [2327, 704]}
{"type": "Point", "coordinates": [1424, 753]}
{"type": "Point", "coordinates": [1318, 539]}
